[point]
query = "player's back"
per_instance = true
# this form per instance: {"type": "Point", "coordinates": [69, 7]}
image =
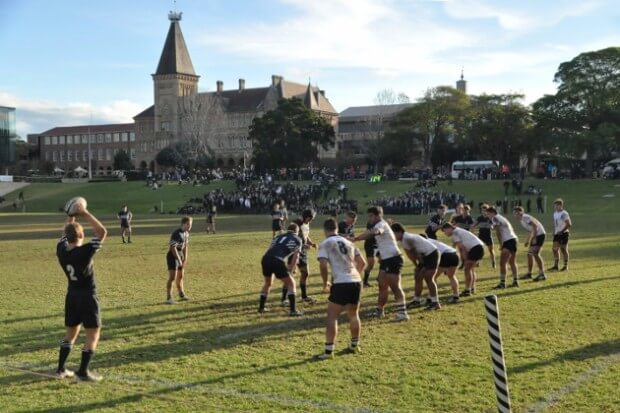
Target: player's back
{"type": "Point", "coordinates": [283, 246]}
{"type": "Point", "coordinates": [340, 252]}
{"type": "Point", "coordinates": [77, 264]}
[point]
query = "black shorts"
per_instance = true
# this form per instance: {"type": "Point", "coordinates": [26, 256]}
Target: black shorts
{"type": "Point", "coordinates": [370, 247]}
{"type": "Point", "coordinates": [476, 253]}
{"type": "Point", "coordinates": [430, 233]}
{"type": "Point", "coordinates": [276, 225]}
{"type": "Point", "coordinates": [172, 262]}
{"type": "Point", "coordinates": [392, 265]}
{"type": "Point", "coordinates": [125, 225]}
{"type": "Point", "coordinates": [273, 266]}
{"type": "Point", "coordinates": [510, 245]}
{"type": "Point", "coordinates": [431, 260]}
{"type": "Point", "coordinates": [345, 293]}
{"type": "Point", "coordinates": [303, 260]}
{"type": "Point", "coordinates": [449, 259]}
{"type": "Point", "coordinates": [210, 220]}
{"type": "Point", "coordinates": [538, 241]}
{"type": "Point", "coordinates": [82, 308]}
{"type": "Point", "coordinates": [562, 238]}
{"type": "Point", "coordinates": [486, 238]}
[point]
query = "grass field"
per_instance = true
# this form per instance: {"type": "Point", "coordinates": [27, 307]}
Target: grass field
{"type": "Point", "coordinates": [214, 353]}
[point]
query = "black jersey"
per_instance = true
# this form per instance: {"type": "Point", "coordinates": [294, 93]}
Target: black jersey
{"type": "Point", "coordinates": [77, 263]}
{"type": "Point", "coordinates": [179, 239]}
{"type": "Point", "coordinates": [284, 246]}
{"type": "Point", "coordinates": [345, 230]}
{"type": "Point", "coordinates": [277, 215]}
{"type": "Point", "coordinates": [125, 217]}
{"type": "Point", "coordinates": [484, 225]}
{"type": "Point", "coordinates": [464, 222]}
{"type": "Point", "coordinates": [434, 224]}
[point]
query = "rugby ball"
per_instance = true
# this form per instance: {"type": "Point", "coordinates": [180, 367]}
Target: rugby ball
{"type": "Point", "coordinates": [71, 206]}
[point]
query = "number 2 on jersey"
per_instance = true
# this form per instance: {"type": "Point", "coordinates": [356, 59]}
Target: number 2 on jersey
{"type": "Point", "coordinates": [71, 272]}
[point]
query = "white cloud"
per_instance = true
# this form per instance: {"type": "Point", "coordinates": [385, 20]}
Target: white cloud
{"type": "Point", "coordinates": [369, 34]}
{"type": "Point", "coordinates": [521, 16]}
{"type": "Point", "coordinates": [35, 116]}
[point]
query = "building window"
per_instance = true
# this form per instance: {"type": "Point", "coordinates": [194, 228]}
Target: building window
{"type": "Point", "coordinates": [76, 139]}
{"type": "Point", "coordinates": [108, 154]}
{"type": "Point", "coordinates": [93, 154]}
{"type": "Point", "coordinates": [100, 154]}
{"type": "Point", "coordinates": [132, 153]}
{"type": "Point", "coordinates": [108, 138]}
{"type": "Point", "coordinates": [165, 126]}
{"type": "Point", "coordinates": [55, 156]}
{"type": "Point", "coordinates": [93, 139]}
{"type": "Point", "coordinates": [132, 136]}
{"type": "Point", "coordinates": [100, 138]}
{"type": "Point", "coordinates": [77, 155]}
{"type": "Point", "coordinates": [54, 140]}
{"type": "Point", "coordinates": [61, 140]}
{"type": "Point", "coordinates": [85, 155]}
{"type": "Point", "coordinates": [84, 138]}
{"type": "Point", "coordinates": [116, 137]}
{"type": "Point", "coordinates": [62, 156]}
{"type": "Point", "coordinates": [69, 139]}
{"type": "Point", "coordinates": [47, 140]}
{"type": "Point", "coordinates": [124, 137]}
{"type": "Point", "coordinates": [47, 155]}
{"type": "Point", "coordinates": [69, 156]}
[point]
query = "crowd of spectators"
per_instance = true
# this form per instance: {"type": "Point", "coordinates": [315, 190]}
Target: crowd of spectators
{"type": "Point", "coordinates": [417, 202]}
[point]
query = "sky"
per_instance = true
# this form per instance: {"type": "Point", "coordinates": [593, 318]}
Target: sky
{"type": "Point", "coordinates": [66, 62]}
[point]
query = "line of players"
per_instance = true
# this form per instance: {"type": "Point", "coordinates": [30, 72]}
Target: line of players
{"type": "Point", "coordinates": [288, 251]}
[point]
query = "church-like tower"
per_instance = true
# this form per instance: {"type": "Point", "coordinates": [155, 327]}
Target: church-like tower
{"type": "Point", "coordinates": [175, 77]}
{"type": "Point", "coordinates": [462, 84]}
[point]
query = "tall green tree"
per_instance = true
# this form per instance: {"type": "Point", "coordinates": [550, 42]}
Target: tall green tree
{"type": "Point", "coordinates": [498, 127]}
{"type": "Point", "coordinates": [289, 136]}
{"type": "Point", "coordinates": [122, 161]}
{"type": "Point", "coordinates": [583, 117]}
{"type": "Point", "coordinates": [435, 121]}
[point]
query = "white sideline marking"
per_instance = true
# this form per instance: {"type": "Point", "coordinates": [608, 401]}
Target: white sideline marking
{"type": "Point", "coordinates": [555, 397]}
{"type": "Point", "coordinates": [201, 388]}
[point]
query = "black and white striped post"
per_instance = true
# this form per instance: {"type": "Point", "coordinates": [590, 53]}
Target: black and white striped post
{"type": "Point", "coordinates": [497, 354]}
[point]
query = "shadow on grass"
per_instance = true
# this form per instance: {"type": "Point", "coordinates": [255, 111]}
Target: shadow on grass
{"type": "Point", "coordinates": [604, 348]}
{"type": "Point", "coordinates": [163, 392]}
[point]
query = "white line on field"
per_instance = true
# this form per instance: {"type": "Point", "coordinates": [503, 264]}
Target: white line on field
{"type": "Point", "coordinates": [170, 385]}
{"type": "Point", "coordinates": [577, 381]}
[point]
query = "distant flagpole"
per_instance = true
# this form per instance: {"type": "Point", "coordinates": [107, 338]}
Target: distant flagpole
{"type": "Point", "coordinates": [90, 165]}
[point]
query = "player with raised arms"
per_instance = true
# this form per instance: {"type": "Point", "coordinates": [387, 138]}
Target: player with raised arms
{"type": "Point", "coordinates": [535, 241]}
{"type": "Point", "coordinates": [345, 291]}
{"type": "Point", "coordinates": [425, 257]}
{"type": "Point", "coordinates": [176, 259]}
{"type": "Point", "coordinates": [280, 260]}
{"type": "Point", "coordinates": [390, 266]}
{"type": "Point", "coordinates": [81, 303]}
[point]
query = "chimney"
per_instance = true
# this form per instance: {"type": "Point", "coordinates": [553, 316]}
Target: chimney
{"type": "Point", "coordinates": [241, 85]}
{"type": "Point", "coordinates": [275, 80]}
{"type": "Point", "coordinates": [220, 86]}
{"type": "Point", "coordinates": [322, 93]}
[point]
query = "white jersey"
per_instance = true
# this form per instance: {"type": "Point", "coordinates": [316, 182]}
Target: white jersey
{"type": "Point", "coordinates": [559, 219]}
{"type": "Point", "coordinates": [528, 220]}
{"type": "Point", "coordinates": [419, 244]}
{"type": "Point", "coordinates": [386, 241]}
{"type": "Point", "coordinates": [340, 253]}
{"type": "Point", "coordinates": [469, 240]}
{"type": "Point", "coordinates": [505, 228]}
{"type": "Point", "coordinates": [442, 248]}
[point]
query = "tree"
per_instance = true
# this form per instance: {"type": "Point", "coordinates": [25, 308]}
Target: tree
{"type": "Point", "coordinates": [436, 120]}
{"type": "Point", "coordinates": [201, 119]}
{"type": "Point", "coordinates": [289, 136]}
{"type": "Point", "coordinates": [170, 156]}
{"type": "Point", "coordinates": [373, 129]}
{"type": "Point", "coordinates": [498, 127]}
{"type": "Point", "coordinates": [583, 117]}
{"type": "Point", "coordinates": [122, 161]}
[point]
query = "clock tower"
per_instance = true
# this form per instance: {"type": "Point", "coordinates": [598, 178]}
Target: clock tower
{"type": "Point", "coordinates": [174, 78]}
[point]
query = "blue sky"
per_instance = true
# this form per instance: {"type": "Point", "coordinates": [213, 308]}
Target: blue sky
{"type": "Point", "coordinates": [63, 60]}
